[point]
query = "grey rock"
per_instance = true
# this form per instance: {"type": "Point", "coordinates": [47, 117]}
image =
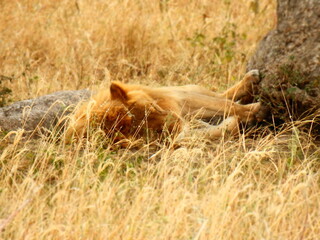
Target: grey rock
{"type": "Point", "coordinates": [289, 58]}
{"type": "Point", "coordinates": [296, 38]}
{"type": "Point", "coordinates": [40, 113]}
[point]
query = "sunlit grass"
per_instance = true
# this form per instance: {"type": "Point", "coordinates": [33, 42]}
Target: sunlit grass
{"type": "Point", "coordinates": [266, 187]}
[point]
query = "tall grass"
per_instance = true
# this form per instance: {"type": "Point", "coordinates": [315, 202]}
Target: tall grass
{"type": "Point", "coordinates": [265, 187]}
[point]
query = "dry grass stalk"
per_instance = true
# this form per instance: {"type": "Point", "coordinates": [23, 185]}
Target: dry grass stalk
{"type": "Point", "coordinates": [232, 188]}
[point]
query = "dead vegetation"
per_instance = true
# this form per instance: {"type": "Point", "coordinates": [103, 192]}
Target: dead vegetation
{"type": "Point", "coordinates": [266, 187]}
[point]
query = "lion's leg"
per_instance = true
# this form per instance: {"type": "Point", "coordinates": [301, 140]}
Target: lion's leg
{"type": "Point", "coordinates": [244, 87]}
{"type": "Point", "coordinates": [229, 125]}
{"type": "Point", "coordinates": [245, 113]}
{"type": "Point", "coordinates": [204, 107]}
{"type": "Point", "coordinates": [197, 90]}
{"type": "Point", "coordinates": [234, 93]}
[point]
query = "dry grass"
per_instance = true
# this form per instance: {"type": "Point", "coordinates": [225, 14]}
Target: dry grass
{"type": "Point", "coordinates": [233, 188]}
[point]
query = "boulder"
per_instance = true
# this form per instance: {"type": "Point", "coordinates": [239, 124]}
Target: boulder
{"type": "Point", "coordinates": [40, 113]}
{"type": "Point", "coordinates": [289, 59]}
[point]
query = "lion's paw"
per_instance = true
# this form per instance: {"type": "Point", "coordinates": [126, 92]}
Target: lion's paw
{"type": "Point", "coordinates": [253, 76]}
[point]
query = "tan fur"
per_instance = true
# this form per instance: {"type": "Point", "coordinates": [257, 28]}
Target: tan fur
{"type": "Point", "coordinates": [127, 111]}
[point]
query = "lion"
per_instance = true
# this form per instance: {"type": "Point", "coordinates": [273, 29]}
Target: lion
{"type": "Point", "coordinates": [127, 111]}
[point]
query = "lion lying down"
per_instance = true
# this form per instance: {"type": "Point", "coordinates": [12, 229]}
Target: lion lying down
{"type": "Point", "coordinates": [135, 111]}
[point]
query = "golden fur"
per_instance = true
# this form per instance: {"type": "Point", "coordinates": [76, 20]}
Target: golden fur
{"type": "Point", "coordinates": [127, 111]}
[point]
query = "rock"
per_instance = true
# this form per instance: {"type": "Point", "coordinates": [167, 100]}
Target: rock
{"type": "Point", "coordinates": [40, 113]}
{"type": "Point", "coordinates": [289, 59]}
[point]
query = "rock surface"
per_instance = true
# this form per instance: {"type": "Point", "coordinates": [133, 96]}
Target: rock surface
{"type": "Point", "coordinates": [39, 113]}
{"type": "Point", "coordinates": [289, 58]}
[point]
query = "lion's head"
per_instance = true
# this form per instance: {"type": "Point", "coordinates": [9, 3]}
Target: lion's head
{"type": "Point", "coordinates": [123, 112]}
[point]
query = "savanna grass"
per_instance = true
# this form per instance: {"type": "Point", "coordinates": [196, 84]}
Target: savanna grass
{"type": "Point", "coordinates": [266, 187]}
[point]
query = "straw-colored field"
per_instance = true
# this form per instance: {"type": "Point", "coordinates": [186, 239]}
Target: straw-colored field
{"type": "Point", "coordinates": [232, 188]}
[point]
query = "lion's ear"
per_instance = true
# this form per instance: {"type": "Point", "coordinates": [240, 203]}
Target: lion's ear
{"type": "Point", "coordinates": [118, 92]}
